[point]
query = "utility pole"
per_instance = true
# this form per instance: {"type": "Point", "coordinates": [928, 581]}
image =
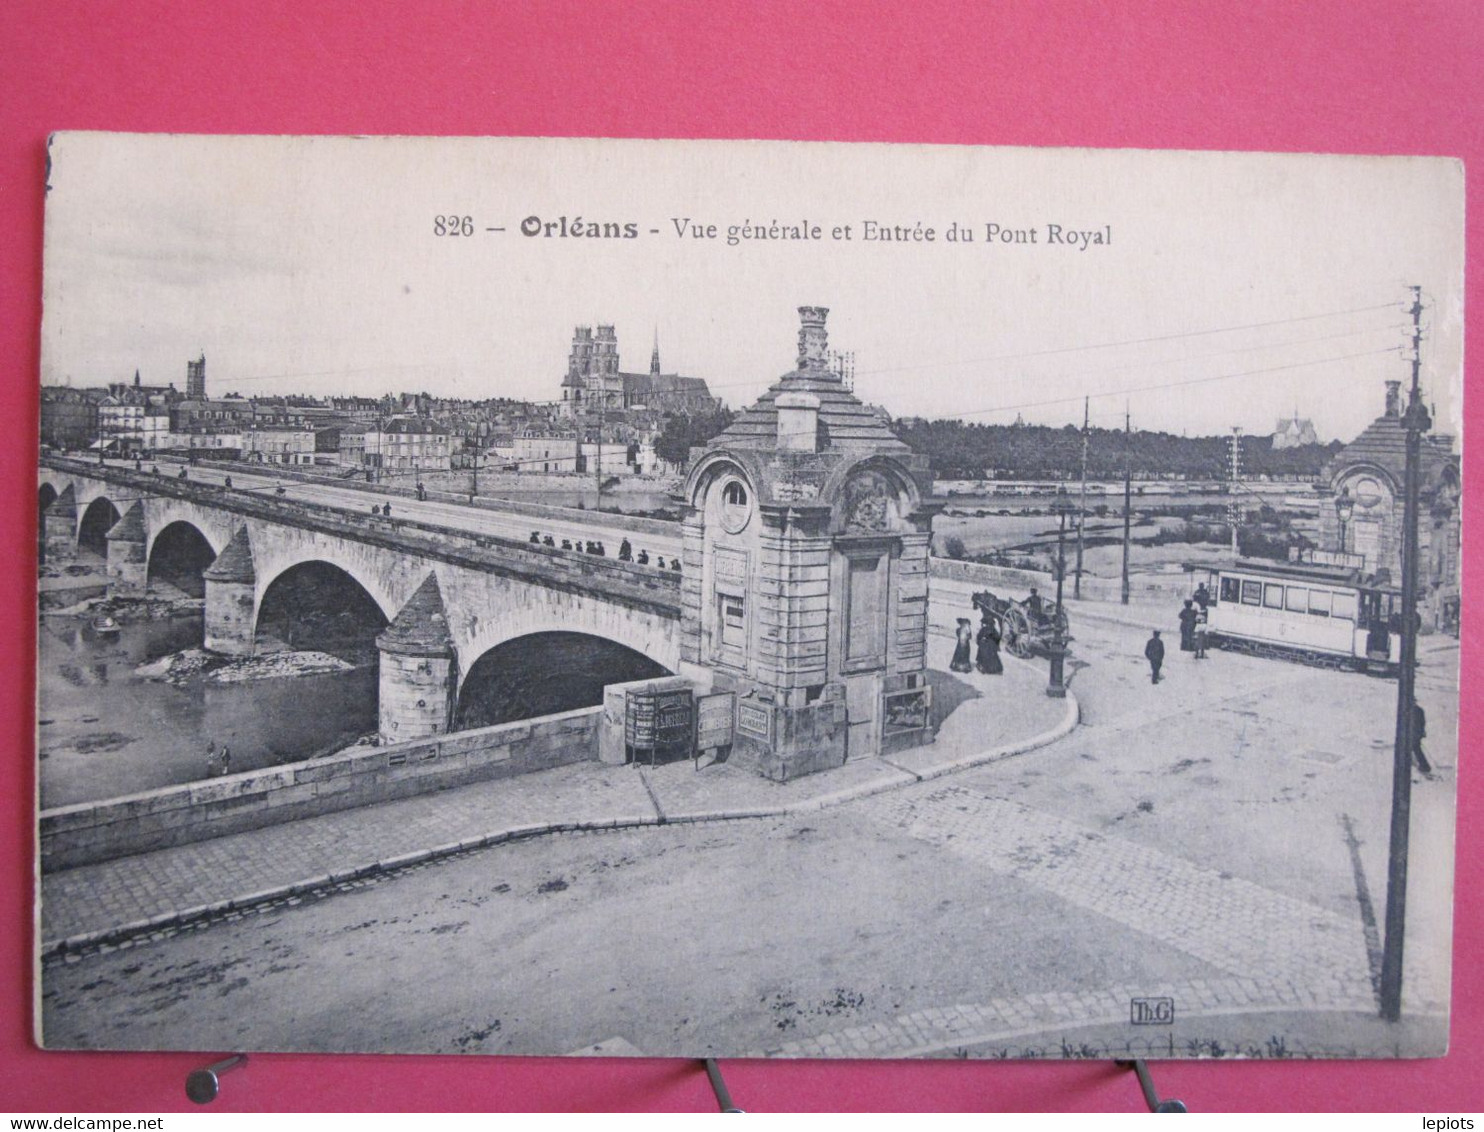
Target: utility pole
{"type": "Point", "coordinates": [1081, 504]}
{"type": "Point", "coordinates": [1417, 422]}
{"type": "Point", "coordinates": [1233, 508]}
{"type": "Point", "coordinates": [1128, 477]}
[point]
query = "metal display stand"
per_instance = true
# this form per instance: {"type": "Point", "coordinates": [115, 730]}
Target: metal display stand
{"type": "Point", "coordinates": [719, 1087]}
{"type": "Point", "coordinates": [202, 1085]}
{"type": "Point", "coordinates": [1146, 1083]}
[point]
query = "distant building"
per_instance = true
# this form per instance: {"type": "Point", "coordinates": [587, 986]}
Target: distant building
{"type": "Point", "coordinates": [1294, 432]}
{"type": "Point", "coordinates": [409, 444]}
{"type": "Point", "coordinates": [279, 445]}
{"type": "Point", "coordinates": [595, 383]}
{"type": "Point", "coordinates": [69, 417]}
{"type": "Point", "coordinates": [196, 379]}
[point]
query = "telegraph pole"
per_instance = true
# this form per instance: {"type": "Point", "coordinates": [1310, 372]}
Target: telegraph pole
{"type": "Point", "coordinates": [1081, 504]}
{"type": "Point", "coordinates": [1128, 477]}
{"type": "Point", "coordinates": [1417, 422]}
{"type": "Point", "coordinates": [1233, 508]}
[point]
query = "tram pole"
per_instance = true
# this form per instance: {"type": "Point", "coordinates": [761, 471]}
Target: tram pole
{"type": "Point", "coordinates": [1128, 476]}
{"type": "Point", "coordinates": [1081, 504]}
{"type": "Point", "coordinates": [1417, 422]}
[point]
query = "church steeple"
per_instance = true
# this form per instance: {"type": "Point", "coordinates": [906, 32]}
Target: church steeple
{"type": "Point", "coordinates": [654, 358]}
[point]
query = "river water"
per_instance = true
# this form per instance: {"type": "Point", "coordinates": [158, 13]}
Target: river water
{"type": "Point", "coordinates": [104, 732]}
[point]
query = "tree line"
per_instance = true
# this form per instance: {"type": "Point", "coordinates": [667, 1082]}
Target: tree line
{"type": "Point", "coordinates": [964, 450]}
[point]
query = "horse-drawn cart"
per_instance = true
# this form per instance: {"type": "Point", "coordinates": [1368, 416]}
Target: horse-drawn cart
{"type": "Point", "coordinates": [1025, 628]}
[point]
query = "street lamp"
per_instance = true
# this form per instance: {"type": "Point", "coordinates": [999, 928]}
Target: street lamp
{"type": "Point", "coordinates": [1057, 649]}
{"type": "Point", "coordinates": [1344, 509]}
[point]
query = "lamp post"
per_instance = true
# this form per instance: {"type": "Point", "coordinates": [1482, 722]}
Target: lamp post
{"type": "Point", "coordinates": [1344, 508]}
{"type": "Point", "coordinates": [1057, 650]}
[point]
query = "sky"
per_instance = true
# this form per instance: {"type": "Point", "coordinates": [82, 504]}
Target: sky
{"type": "Point", "coordinates": [1202, 291]}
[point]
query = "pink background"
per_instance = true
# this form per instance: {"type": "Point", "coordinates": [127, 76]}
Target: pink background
{"type": "Point", "coordinates": [1343, 77]}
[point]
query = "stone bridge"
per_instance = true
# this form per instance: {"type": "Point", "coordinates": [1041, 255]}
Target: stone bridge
{"type": "Point", "coordinates": [452, 610]}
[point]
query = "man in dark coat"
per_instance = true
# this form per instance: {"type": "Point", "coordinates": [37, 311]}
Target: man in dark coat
{"type": "Point", "coordinates": [1419, 730]}
{"type": "Point", "coordinates": [1154, 652]}
{"type": "Point", "coordinates": [1188, 617]}
{"type": "Point", "coordinates": [1203, 596]}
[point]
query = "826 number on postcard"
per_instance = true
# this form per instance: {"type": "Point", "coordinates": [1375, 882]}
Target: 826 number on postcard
{"type": "Point", "coordinates": [453, 225]}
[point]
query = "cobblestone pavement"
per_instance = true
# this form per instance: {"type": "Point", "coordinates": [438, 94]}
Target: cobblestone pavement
{"type": "Point", "coordinates": [1281, 954]}
{"type": "Point", "coordinates": [165, 883]}
{"type": "Point", "coordinates": [938, 1030]}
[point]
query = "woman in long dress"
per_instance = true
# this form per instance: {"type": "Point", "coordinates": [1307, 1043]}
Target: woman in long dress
{"type": "Point", "coordinates": [960, 662]}
{"type": "Point", "coordinates": [988, 660]}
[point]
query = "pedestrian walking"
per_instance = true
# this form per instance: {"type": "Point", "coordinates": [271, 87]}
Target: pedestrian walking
{"type": "Point", "coordinates": [226, 761]}
{"type": "Point", "coordinates": [1202, 596]}
{"type": "Point", "coordinates": [1419, 731]}
{"type": "Point", "coordinates": [1154, 653]}
{"type": "Point", "coordinates": [1200, 636]}
{"type": "Point", "coordinates": [988, 660]}
{"type": "Point", "coordinates": [1188, 617]}
{"type": "Point", "coordinates": [625, 551]}
{"type": "Point", "coordinates": [964, 637]}
{"type": "Point", "coordinates": [210, 759]}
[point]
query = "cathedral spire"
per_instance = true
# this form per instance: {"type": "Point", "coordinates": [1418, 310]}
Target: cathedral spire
{"type": "Point", "coordinates": [654, 358]}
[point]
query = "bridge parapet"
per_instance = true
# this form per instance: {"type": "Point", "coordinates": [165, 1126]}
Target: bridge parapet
{"type": "Point", "coordinates": [625, 582]}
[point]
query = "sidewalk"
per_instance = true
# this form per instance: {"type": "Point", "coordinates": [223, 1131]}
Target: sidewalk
{"type": "Point", "coordinates": [983, 719]}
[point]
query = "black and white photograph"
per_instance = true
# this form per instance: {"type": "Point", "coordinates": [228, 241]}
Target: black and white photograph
{"type": "Point", "coordinates": [746, 599]}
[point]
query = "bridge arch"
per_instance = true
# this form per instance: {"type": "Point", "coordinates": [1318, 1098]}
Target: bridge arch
{"type": "Point", "coordinates": [93, 526]}
{"type": "Point", "coordinates": [179, 555]}
{"type": "Point", "coordinates": [317, 604]}
{"type": "Point", "coordinates": [544, 673]}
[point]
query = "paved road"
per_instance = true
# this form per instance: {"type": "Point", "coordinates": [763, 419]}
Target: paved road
{"type": "Point", "coordinates": [1218, 839]}
{"type": "Point", "coordinates": [611, 531]}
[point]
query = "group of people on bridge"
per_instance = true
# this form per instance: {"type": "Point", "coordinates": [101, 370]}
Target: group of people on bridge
{"type": "Point", "coordinates": [590, 546]}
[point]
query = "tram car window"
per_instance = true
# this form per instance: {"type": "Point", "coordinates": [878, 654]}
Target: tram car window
{"type": "Point", "coordinates": [1344, 606]}
{"type": "Point", "coordinates": [1298, 599]}
{"type": "Point", "coordinates": [1319, 603]}
{"type": "Point", "coordinates": [1272, 596]}
{"type": "Point", "coordinates": [1251, 593]}
{"type": "Point", "coordinates": [1231, 590]}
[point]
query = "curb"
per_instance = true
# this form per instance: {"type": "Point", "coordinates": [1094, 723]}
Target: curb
{"type": "Point", "coordinates": [125, 934]}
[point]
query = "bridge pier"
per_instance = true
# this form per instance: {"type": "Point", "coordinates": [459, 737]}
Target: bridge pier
{"type": "Point", "coordinates": [231, 604]}
{"type": "Point", "coordinates": [418, 671]}
{"type": "Point", "coordinates": [59, 528]}
{"type": "Point", "coordinates": [128, 562]}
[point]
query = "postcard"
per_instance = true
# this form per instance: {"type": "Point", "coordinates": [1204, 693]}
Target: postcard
{"type": "Point", "coordinates": [746, 599]}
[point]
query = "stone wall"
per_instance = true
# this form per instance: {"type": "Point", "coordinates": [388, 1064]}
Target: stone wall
{"type": "Point", "coordinates": [1141, 588]}
{"type": "Point", "coordinates": [100, 831]}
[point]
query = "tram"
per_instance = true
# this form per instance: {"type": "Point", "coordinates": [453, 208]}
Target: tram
{"type": "Point", "coordinates": [1316, 614]}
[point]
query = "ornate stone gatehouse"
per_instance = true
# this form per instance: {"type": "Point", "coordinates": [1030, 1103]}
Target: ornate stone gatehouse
{"type": "Point", "coordinates": [805, 588]}
{"type": "Point", "coordinates": [1362, 515]}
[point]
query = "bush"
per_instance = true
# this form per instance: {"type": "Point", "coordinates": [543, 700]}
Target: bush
{"type": "Point", "coordinates": [953, 546]}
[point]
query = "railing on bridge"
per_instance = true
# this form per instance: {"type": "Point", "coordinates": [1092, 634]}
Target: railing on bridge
{"type": "Point", "coordinates": [561, 569]}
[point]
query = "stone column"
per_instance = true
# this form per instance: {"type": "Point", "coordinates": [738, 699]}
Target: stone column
{"type": "Point", "coordinates": [59, 528]}
{"type": "Point", "coordinates": [128, 565]}
{"type": "Point", "coordinates": [418, 669]}
{"type": "Point", "coordinates": [231, 601]}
